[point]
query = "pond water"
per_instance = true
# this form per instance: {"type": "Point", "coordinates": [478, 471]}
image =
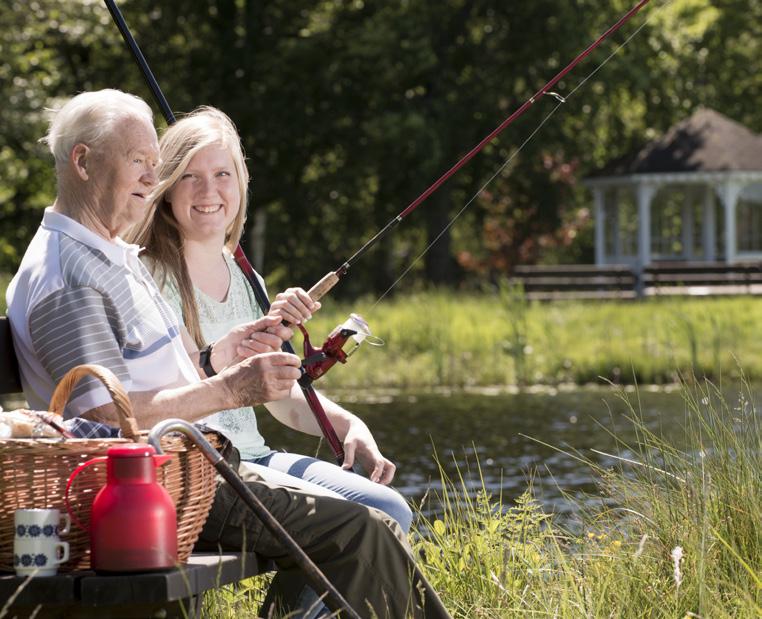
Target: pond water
{"type": "Point", "coordinates": [503, 431]}
{"type": "Point", "coordinates": [513, 437]}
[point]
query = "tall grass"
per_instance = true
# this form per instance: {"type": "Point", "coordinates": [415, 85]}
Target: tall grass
{"type": "Point", "coordinates": [455, 339]}
{"type": "Point", "coordinates": [677, 533]}
{"type": "Point", "coordinates": [451, 339]}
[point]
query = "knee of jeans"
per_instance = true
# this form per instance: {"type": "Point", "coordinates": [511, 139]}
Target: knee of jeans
{"type": "Point", "coordinates": [396, 507]}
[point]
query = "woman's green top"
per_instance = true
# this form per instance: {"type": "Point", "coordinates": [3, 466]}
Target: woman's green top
{"type": "Point", "coordinates": [216, 319]}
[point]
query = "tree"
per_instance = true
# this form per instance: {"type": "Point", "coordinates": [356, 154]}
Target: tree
{"type": "Point", "coordinates": [349, 110]}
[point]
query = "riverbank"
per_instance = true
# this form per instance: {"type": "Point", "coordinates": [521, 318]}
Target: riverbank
{"type": "Point", "coordinates": [485, 340]}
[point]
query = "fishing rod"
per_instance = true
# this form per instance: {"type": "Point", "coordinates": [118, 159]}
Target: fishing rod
{"type": "Point", "coordinates": [332, 278]}
{"type": "Point", "coordinates": [305, 382]}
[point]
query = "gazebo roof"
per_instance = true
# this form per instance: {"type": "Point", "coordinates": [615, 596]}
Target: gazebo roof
{"type": "Point", "coordinates": [707, 141]}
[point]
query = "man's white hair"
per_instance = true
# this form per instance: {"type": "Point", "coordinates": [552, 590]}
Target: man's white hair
{"type": "Point", "coordinates": [90, 117]}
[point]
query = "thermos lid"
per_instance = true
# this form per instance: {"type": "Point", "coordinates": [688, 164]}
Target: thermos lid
{"type": "Point", "coordinates": [131, 450]}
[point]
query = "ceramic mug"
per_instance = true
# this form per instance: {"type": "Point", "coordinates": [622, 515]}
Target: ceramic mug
{"type": "Point", "coordinates": [37, 548]}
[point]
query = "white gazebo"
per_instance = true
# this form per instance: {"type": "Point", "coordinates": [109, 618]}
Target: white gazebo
{"type": "Point", "coordinates": [694, 194]}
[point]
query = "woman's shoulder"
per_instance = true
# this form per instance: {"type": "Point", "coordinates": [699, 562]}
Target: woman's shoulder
{"type": "Point", "coordinates": [237, 271]}
{"type": "Point", "coordinates": [241, 290]}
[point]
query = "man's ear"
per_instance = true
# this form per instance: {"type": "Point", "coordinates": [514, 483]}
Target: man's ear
{"type": "Point", "coordinates": [79, 159]}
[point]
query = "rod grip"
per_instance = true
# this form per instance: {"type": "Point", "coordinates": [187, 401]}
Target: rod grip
{"type": "Point", "coordinates": [320, 289]}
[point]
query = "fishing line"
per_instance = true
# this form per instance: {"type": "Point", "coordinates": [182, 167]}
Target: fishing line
{"type": "Point", "coordinates": [561, 101]}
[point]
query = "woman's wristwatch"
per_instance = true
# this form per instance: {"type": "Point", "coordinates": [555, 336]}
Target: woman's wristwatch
{"type": "Point", "coordinates": [205, 360]}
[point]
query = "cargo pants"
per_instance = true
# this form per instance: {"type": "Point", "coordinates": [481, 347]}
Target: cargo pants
{"type": "Point", "coordinates": [361, 551]}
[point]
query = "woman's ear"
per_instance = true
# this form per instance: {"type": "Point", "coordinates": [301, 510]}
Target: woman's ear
{"type": "Point", "coordinates": [79, 159]}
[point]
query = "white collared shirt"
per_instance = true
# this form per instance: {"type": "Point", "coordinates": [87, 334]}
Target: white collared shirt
{"type": "Point", "coordinates": [79, 298]}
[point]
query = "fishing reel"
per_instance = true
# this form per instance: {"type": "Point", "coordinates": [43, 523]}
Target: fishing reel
{"type": "Point", "coordinates": [317, 361]}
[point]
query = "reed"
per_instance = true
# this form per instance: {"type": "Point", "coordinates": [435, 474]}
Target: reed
{"type": "Point", "coordinates": [676, 532]}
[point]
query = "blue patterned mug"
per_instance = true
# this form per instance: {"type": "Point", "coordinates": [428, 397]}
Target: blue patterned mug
{"type": "Point", "coordinates": [37, 548]}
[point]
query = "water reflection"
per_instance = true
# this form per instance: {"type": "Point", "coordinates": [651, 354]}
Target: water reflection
{"type": "Point", "coordinates": [515, 437]}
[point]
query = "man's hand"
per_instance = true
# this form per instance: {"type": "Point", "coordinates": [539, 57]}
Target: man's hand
{"type": "Point", "coordinates": [359, 444]}
{"type": "Point", "coordinates": [252, 338]}
{"type": "Point", "coordinates": [294, 306]}
{"type": "Point", "coordinates": [261, 378]}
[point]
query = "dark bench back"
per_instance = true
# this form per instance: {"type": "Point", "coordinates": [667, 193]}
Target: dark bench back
{"type": "Point", "coordinates": [10, 382]}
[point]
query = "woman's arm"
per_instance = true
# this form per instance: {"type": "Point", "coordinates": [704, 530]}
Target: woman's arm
{"type": "Point", "coordinates": [358, 440]}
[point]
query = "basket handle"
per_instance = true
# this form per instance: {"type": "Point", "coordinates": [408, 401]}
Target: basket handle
{"type": "Point", "coordinates": [127, 422]}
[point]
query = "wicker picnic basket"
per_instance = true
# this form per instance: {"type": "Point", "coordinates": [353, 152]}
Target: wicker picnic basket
{"type": "Point", "coordinates": [34, 472]}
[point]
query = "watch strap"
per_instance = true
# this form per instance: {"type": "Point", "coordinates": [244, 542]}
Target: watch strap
{"type": "Point", "coordinates": [205, 360]}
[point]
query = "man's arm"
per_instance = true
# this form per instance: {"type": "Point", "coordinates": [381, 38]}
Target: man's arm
{"type": "Point", "coordinates": [257, 379]}
{"type": "Point", "coordinates": [263, 335]}
{"type": "Point", "coordinates": [76, 326]}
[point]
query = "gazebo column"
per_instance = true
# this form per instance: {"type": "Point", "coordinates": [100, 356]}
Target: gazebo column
{"type": "Point", "coordinates": [616, 229]}
{"type": "Point", "coordinates": [709, 226]}
{"type": "Point", "coordinates": [645, 194]}
{"type": "Point", "coordinates": [686, 215]}
{"type": "Point", "coordinates": [600, 226]}
{"type": "Point", "coordinates": [729, 197]}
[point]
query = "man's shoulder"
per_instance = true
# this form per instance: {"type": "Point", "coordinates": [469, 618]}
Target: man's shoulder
{"type": "Point", "coordinates": [80, 264]}
{"type": "Point", "coordinates": [39, 273]}
{"type": "Point", "coordinates": [54, 263]}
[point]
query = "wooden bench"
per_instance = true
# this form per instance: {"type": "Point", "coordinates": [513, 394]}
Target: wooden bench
{"type": "Point", "coordinates": [546, 283]}
{"type": "Point", "coordinates": [175, 593]}
{"type": "Point", "coordinates": [702, 278]}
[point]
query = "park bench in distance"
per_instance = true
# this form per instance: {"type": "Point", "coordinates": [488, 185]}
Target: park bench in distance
{"type": "Point", "coordinates": [551, 283]}
{"type": "Point", "coordinates": [85, 594]}
{"type": "Point", "coordinates": [666, 278]}
{"type": "Point", "coordinates": [703, 278]}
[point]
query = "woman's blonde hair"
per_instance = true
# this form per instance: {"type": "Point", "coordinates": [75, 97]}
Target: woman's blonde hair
{"type": "Point", "coordinates": [159, 232]}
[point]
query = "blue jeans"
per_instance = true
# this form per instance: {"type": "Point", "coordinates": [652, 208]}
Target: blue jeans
{"type": "Point", "coordinates": [320, 477]}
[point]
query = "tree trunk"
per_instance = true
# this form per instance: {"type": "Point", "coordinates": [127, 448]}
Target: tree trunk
{"type": "Point", "coordinates": [438, 261]}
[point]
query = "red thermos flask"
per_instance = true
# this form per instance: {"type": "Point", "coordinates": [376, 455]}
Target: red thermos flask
{"type": "Point", "coordinates": [133, 523]}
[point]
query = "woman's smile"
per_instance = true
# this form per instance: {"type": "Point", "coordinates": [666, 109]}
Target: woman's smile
{"type": "Point", "coordinates": [208, 209]}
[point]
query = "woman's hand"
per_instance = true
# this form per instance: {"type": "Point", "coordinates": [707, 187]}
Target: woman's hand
{"type": "Point", "coordinates": [264, 335]}
{"type": "Point", "coordinates": [360, 445]}
{"type": "Point", "coordinates": [294, 306]}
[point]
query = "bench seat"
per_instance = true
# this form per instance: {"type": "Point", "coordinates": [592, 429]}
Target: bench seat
{"type": "Point", "coordinates": [175, 593]}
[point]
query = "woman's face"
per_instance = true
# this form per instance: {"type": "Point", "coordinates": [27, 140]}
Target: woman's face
{"type": "Point", "coordinates": [206, 198]}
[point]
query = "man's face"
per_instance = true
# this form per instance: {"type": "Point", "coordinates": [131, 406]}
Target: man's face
{"type": "Point", "coordinates": [124, 173]}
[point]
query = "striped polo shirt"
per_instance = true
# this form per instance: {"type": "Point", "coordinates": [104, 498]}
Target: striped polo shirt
{"type": "Point", "coordinates": [79, 298]}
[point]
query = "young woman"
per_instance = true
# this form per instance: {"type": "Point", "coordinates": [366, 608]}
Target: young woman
{"type": "Point", "coordinates": [196, 219]}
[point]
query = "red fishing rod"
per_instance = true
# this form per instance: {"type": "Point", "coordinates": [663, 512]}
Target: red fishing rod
{"type": "Point", "coordinates": [305, 382]}
{"type": "Point", "coordinates": [332, 278]}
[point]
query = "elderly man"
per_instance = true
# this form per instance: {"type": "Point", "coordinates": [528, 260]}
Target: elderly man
{"type": "Point", "coordinates": [82, 296]}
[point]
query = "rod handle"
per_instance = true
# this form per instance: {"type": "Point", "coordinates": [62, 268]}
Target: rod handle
{"type": "Point", "coordinates": [319, 290]}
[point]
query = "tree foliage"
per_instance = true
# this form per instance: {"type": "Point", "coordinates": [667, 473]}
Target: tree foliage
{"type": "Point", "coordinates": [350, 109]}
